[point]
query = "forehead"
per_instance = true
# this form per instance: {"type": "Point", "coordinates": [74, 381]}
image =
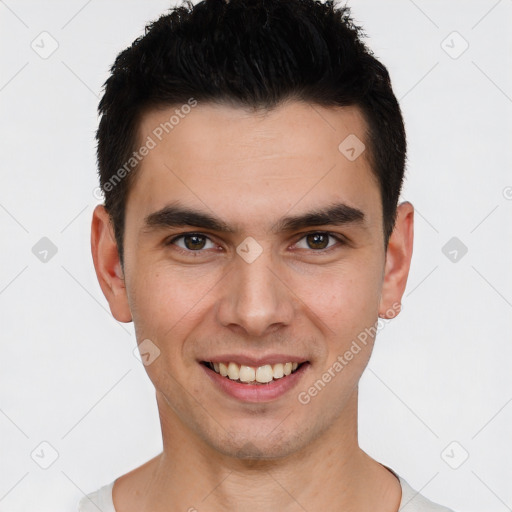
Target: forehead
{"type": "Point", "coordinates": [230, 160]}
{"type": "Point", "coordinates": [215, 132]}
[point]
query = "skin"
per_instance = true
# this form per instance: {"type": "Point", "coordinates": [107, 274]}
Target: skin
{"type": "Point", "coordinates": [250, 169]}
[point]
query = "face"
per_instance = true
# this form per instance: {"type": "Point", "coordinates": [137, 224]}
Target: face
{"type": "Point", "coordinates": [253, 239]}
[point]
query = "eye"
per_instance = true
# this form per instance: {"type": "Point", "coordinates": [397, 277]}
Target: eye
{"type": "Point", "coordinates": [319, 241]}
{"type": "Point", "coordinates": [191, 242]}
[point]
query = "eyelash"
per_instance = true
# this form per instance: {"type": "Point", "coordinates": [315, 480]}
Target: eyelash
{"type": "Point", "coordinates": [341, 241]}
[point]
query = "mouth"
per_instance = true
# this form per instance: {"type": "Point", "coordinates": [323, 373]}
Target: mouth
{"type": "Point", "coordinates": [254, 375]}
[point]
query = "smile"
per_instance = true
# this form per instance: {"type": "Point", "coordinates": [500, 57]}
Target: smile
{"type": "Point", "coordinates": [250, 374]}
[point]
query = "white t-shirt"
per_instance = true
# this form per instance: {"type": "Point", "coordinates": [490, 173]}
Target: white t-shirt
{"type": "Point", "coordinates": [411, 500]}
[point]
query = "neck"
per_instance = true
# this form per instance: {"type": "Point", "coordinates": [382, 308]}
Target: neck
{"type": "Point", "coordinates": [191, 475]}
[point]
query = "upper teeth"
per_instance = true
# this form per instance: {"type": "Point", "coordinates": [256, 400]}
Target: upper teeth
{"type": "Point", "coordinates": [261, 374]}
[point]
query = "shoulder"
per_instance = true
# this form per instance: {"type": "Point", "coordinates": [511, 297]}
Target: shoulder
{"type": "Point", "coordinates": [100, 499]}
{"type": "Point", "coordinates": [413, 501]}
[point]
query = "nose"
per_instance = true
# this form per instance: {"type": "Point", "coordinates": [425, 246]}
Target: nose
{"type": "Point", "coordinates": [256, 300]}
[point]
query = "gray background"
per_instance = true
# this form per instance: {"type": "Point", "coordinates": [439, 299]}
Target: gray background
{"type": "Point", "coordinates": [438, 387]}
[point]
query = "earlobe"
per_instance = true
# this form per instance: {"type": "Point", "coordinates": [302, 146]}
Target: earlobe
{"type": "Point", "coordinates": [107, 265]}
{"type": "Point", "coordinates": [398, 261]}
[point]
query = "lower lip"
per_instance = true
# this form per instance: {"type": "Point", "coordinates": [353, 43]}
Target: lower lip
{"type": "Point", "coordinates": [257, 392]}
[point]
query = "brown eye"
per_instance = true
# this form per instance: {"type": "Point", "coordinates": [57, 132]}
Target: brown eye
{"type": "Point", "coordinates": [191, 242]}
{"type": "Point", "coordinates": [194, 242]}
{"type": "Point", "coordinates": [318, 241]}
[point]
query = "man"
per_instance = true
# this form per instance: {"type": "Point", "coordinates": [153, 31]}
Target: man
{"type": "Point", "coordinates": [252, 154]}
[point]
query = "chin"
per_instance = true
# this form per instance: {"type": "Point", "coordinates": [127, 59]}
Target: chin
{"type": "Point", "coordinates": [258, 447]}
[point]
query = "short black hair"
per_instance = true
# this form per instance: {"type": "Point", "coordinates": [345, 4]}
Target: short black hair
{"type": "Point", "coordinates": [252, 54]}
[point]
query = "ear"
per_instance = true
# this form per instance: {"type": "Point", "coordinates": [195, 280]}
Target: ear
{"type": "Point", "coordinates": [107, 264]}
{"type": "Point", "coordinates": [398, 261]}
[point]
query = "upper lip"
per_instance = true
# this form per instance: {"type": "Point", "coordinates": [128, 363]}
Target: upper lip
{"type": "Point", "coordinates": [248, 360]}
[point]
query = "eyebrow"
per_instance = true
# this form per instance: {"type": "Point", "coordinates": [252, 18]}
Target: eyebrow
{"type": "Point", "coordinates": [175, 215]}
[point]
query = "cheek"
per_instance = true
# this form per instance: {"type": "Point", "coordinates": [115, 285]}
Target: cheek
{"type": "Point", "coordinates": [348, 310]}
{"type": "Point", "coordinates": [167, 303]}
{"type": "Point", "coordinates": [345, 298]}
